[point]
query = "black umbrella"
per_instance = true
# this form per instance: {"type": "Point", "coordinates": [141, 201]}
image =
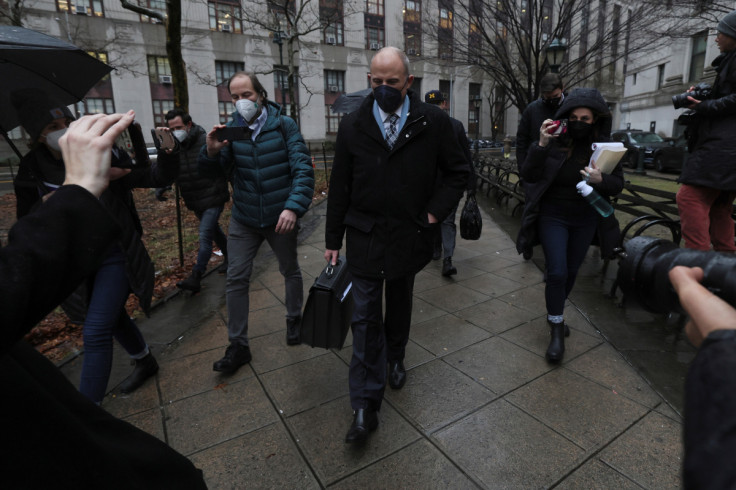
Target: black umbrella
{"type": "Point", "coordinates": [35, 61]}
{"type": "Point", "coordinates": [350, 102]}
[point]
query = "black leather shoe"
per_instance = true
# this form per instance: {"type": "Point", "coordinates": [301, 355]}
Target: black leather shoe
{"type": "Point", "coordinates": [235, 356]}
{"type": "Point", "coordinates": [144, 369]}
{"type": "Point", "coordinates": [396, 374]}
{"type": "Point", "coordinates": [293, 331]}
{"type": "Point", "coordinates": [556, 348]}
{"type": "Point", "coordinates": [447, 268]}
{"type": "Point", "coordinates": [365, 421]}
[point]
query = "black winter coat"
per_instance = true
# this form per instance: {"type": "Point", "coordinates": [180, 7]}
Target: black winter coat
{"type": "Point", "coordinates": [380, 197]}
{"type": "Point", "coordinates": [529, 124]}
{"type": "Point", "coordinates": [462, 138]}
{"type": "Point", "coordinates": [199, 192]}
{"type": "Point", "coordinates": [118, 199]}
{"type": "Point", "coordinates": [713, 160]}
{"type": "Point", "coordinates": [539, 171]}
{"type": "Point", "coordinates": [53, 436]}
{"type": "Point", "coordinates": [710, 414]}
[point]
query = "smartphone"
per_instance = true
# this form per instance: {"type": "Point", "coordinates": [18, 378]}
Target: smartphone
{"type": "Point", "coordinates": [233, 133]}
{"type": "Point", "coordinates": [133, 145]}
{"type": "Point", "coordinates": [558, 127]}
{"type": "Point", "coordinates": [163, 140]}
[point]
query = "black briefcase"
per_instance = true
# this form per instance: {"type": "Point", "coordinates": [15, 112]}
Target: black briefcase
{"type": "Point", "coordinates": [329, 309]}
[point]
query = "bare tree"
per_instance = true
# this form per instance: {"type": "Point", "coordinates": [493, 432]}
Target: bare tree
{"type": "Point", "coordinates": [12, 11]}
{"type": "Point", "coordinates": [172, 23]}
{"type": "Point", "coordinates": [288, 22]}
{"type": "Point", "coordinates": [507, 39]}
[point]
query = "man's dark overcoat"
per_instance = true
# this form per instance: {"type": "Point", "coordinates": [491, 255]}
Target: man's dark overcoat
{"type": "Point", "coordinates": [380, 197]}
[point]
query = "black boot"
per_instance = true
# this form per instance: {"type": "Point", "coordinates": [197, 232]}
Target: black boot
{"type": "Point", "coordinates": [293, 331]}
{"type": "Point", "coordinates": [556, 348]}
{"type": "Point", "coordinates": [447, 268]}
{"type": "Point", "coordinates": [191, 283]}
{"type": "Point", "coordinates": [144, 369]}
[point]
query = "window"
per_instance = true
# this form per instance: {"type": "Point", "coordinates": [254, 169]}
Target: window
{"type": "Point", "coordinates": [281, 11]}
{"type": "Point", "coordinates": [99, 99]}
{"type": "Point", "coordinates": [660, 76]}
{"type": "Point", "coordinates": [444, 33]}
{"type": "Point", "coordinates": [224, 109]}
{"type": "Point", "coordinates": [374, 7]}
{"type": "Point", "coordinates": [413, 44]}
{"type": "Point", "coordinates": [92, 105]}
{"type": "Point", "coordinates": [223, 71]}
{"type": "Point", "coordinates": [331, 16]}
{"type": "Point", "coordinates": [162, 91]}
{"type": "Point", "coordinates": [615, 30]}
{"type": "Point", "coordinates": [334, 86]}
{"type": "Point", "coordinates": [332, 120]}
{"type": "Point", "coordinates": [159, 5]}
{"type": "Point", "coordinates": [413, 11]}
{"type": "Point", "coordinates": [413, 27]}
{"type": "Point", "coordinates": [225, 15]}
{"type": "Point", "coordinates": [446, 89]}
{"type": "Point", "coordinates": [474, 108]}
{"type": "Point", "coordinates": [697, 59]}
{"type": "Point", "coordinates": [81, 7]}
{"type": "Point", "coordinates": [375, 24]}
{"type": "Point", "coordinates": [160, 108]}
{"type": "Point", "coordinates": [375, 38]}
{"type": "Point", "coordinates": [445, 18]}
{"type": "Point", "coordinates": [633, 79]}
{"type": "Point", "coordinates": [281, 88]}
{"type": "Point", "coordinates": [416, 86]}
{"type": "Point", "coordinates": [158, 66]}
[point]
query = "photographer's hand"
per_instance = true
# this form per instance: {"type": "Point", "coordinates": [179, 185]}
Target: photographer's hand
{"type": "Point", "coordinates": [707, 311]}
{"type": "Point", "coordinates": [87, 149]}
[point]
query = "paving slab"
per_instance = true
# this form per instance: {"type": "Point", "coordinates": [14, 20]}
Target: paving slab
{"type": "Point", "coordinates": [504, 447]}
{"type": "Point", "coordinates": [321, 433]}
{"type": "Point", "coordinates": [264, 458]}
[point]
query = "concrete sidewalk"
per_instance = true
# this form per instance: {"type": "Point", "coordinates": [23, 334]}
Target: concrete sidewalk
{"type": "Point", "coordinates": [481, 407]}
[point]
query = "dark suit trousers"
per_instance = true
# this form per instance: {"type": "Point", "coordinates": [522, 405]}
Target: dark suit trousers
{"type": "Point", "coordinates": [376, 341]}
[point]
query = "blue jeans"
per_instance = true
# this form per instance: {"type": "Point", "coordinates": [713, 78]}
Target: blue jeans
{"type": "Point", "coordinates": [107, 318]}
{"type": "Point", "coordinates": [209, 230]}
{"type": "Point", "coordinates": [566, 233]}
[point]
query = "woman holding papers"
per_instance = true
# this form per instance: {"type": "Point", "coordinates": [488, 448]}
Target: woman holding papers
{"type": "Point", "coordinates": [555, 215]}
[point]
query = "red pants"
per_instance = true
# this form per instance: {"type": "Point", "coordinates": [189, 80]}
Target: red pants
{"type": "Point", "coordinates": [705, 218]}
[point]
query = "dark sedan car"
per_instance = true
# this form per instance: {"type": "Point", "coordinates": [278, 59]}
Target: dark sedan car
{"type": "Point", "coordinates": [634, 140]}
{"type": "Point", "coordinates": [671, 157]}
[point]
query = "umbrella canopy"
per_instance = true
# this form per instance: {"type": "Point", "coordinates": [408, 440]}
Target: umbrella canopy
{"type": "Point", "coordinates": [30, 60]}
{"type": "Point", "coordinates": [350, 102]}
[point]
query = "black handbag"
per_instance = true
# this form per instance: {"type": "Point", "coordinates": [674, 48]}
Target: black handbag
{"type": "Point", "coordinates": [471, 222]}
{"type": "Point", "coordinates": [329, 309]}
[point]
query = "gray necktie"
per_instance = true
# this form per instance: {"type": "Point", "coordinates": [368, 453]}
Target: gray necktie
{"type": "Point", "coordinates": [393, 130]}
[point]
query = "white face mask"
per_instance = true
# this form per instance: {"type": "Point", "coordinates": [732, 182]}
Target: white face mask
{"type": "Point", "coordinates": [180, 134]}
{"type": "Point", "coordinates": [248, 109]}
{"type": "Point", "coordinates": [52, 139]}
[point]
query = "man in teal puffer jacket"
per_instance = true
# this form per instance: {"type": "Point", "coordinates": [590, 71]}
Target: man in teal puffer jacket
{"type": "Point", "coordinates": [273, 183]}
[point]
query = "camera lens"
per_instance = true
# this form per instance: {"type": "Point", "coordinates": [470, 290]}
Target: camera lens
{"type": "Point", "coordinates": [643, 273]}
{"type": "Point", "coordinates": [680, 100]}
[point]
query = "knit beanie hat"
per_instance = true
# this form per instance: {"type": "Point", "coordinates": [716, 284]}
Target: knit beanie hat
{"type": "Point", "coordinates": [727, 25]}
{"type": "Point", "coordinates": [36, 110]}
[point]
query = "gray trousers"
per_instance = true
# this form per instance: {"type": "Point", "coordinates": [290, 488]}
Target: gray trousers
{"type": "Point", "coordinates": [243, 243]}
{"type": "Point", "coordinates": [448, 231]}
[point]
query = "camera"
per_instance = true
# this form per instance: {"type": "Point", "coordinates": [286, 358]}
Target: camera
{"type": "Point", "coordinates": [700, 92]}
{"type": "Point", "coordinates": [644, 268]}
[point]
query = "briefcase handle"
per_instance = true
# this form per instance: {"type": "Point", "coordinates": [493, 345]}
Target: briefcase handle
{"type": "Point", "coordinates": [330, 269]}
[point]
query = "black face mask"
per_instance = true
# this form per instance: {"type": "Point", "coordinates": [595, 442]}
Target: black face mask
{"type": "Point", "coordinates": [578, 130]}
{"type": "Point", "coordinates": [387, 97]}
{"type": "Point", "coordinates": [553, 102]}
